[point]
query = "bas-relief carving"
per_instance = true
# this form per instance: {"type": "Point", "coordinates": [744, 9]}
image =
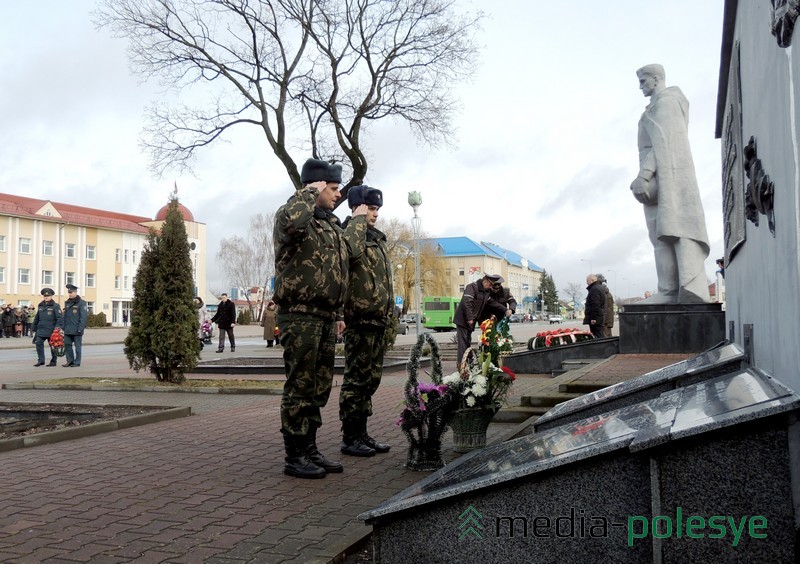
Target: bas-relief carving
{"type": "Point", "coordinates": [733, 165]}
{"type": "Point", "coordinates": [759, 197]}
{"type": "Point", "coordinates": [784, 16]}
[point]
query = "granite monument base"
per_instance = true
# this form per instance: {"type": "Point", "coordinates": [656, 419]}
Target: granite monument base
{"type": "Point", "coordinates": [670, 328]}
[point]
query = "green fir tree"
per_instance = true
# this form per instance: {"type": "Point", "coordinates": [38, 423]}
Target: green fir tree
{"type": "Point", "coordinates": [548, 295]}
{"type": "Point", "coordinates": [163, 334]}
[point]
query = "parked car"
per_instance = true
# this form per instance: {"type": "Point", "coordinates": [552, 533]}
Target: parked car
{"type": "Point", "coordinates": [402, 327]}
{"type": "Point", "coordinates": [534, 317]}
{"type": "Point", "coordinates": [555, 319]}
{"type": "Point", "coordinates": [514, 318]}
{"type": "Point", "coordinates": [410, 318]}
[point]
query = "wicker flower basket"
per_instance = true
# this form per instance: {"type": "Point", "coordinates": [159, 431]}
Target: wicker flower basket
{"type": "Point", "coordinates": [469, 427]}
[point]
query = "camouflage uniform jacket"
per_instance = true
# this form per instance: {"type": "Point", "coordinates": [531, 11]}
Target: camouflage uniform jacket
{"type": "Point", "coordinates": [312, 256]}
{"type": "Point", "coordinates": [370, 295]}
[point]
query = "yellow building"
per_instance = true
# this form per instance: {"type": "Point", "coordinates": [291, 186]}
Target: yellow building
{"type": "Point", "coordinates": [468, 261]}
{"type": "Point", "coordinates": [49, 244]}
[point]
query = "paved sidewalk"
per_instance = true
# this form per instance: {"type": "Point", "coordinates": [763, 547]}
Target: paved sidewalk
{"type": "Point", "coordinates": [206, 488]}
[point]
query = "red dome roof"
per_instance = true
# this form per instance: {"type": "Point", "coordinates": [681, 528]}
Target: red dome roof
{"type": "Point", "coordinates": [162, 213]}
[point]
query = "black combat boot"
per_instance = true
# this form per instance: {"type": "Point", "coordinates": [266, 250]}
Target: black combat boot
{"type": "Point", "coordinates": [315, 456]}
{"type": "Point", "coordinates": [352, 443]}
{"type": "Point", "coordinates": [369, 441]}
{"type": "Point", "coordinates": [297, 463]}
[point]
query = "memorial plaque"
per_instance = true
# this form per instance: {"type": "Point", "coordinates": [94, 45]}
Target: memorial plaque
{"type": "Point", "coordinates": [717, 403]}
{"type": "Point", "coordinates": [733, 185]}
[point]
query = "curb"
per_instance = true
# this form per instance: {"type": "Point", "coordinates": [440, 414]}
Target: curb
{"type": "Point", "coordinates": [50, 437]}
{"type": "Point", "coordinates": [88, 388]}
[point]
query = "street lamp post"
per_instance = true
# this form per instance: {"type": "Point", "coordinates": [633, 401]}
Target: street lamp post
{"type": "Point", "coordinates": [415, 201]}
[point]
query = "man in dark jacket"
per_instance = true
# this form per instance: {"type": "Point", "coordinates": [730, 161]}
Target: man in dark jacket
{"type": "Point", "coordinates": [595, 306]}
{"type": "Point", "coordinates": [225, 318]}
{"type": "Point", "coordinates": [73, 322]}
{"type": "Point", "coordinates": [368, 312]}
{"type": "Point", "coordinates": [312, 263]}
{"type": "Point", "coordinates": [608, 317]}
{"type": "Point", "coordinates": [477, 305]}
{"type": "Point", "coordinates": [48, 317]}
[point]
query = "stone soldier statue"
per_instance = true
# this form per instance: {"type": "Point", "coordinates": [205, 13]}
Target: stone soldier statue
{"type": "Point", "coordinates": [667, 187]}
{"type": "Point", "coordinates": [368, 313]}
{"type": "Point", "coordinates": [312, 258]}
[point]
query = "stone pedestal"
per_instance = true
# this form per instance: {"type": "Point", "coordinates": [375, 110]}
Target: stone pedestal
{"type": "Point", "coordinates": [670, 328]}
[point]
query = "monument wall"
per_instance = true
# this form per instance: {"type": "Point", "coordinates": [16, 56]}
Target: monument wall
{"type": "Point", "coordinates": [758, 121]}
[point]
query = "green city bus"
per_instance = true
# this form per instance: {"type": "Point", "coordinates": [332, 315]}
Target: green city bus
{"type": "Point", "coordinates": [439, 312]}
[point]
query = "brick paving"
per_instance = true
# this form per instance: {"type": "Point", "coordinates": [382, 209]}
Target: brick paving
{"type": "Point", "coordinates": [210, 487]}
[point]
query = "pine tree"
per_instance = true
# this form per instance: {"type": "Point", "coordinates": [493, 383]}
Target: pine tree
{"type": "Point", "coordinates": [548, 293]}
{"type": "Point", "coordinates": [163, 335]}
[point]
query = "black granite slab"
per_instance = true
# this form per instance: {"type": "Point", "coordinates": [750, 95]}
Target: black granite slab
{"type": "Point", "coordinates": [711, 363]}
{"type": "Point", "coordinates": [670, 328]}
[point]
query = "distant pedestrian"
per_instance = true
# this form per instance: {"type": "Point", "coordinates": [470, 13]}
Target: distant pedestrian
{"type": "Point", "coordinates": [47, 318]}
{"type": "Point", "coordinates": [202, 315]}
{"type": "Point", "coordinates": [225, 318]}
{"type": "Point", "coordinates": [27, 317]}
{"type": "Point", "coordinates": [73, 322]}
{"type": "Point", "coordinates": [476, 306]}
{"type": "Point", "coordinates": [595, 306]}
{"type": "Point", "coordinates": [9, 319]}
{"type": "Point", "coordinates": [608, 319]}
{"type": "Point", "coordinates": [269, 320]}
{"type": "Point", "coordinates": [124, 318]}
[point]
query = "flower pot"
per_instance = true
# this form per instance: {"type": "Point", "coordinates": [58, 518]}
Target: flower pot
{"type": "Point", "coordinates": [469, 427]}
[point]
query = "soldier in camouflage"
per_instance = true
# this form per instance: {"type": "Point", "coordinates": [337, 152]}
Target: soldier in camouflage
{"type": "Point", "coordinates": [312, 257]}
{"type": "Point", "coordinates": [368, 313]}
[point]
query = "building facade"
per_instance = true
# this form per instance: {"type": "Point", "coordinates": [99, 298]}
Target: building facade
{"type": "Point", "coordinates": [50, 244]}
{"type": "Point", "coordinates": [468, 261]}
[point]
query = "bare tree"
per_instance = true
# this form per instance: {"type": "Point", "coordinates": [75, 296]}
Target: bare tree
{"type": "Point", "coordinates": [310, 73]}
{"type": "Point", "coordinates": [250, 261]}
{"type": "Point", "coordinates": [400, 243]}
{"type": "Point", "coordinates": [573, 290]}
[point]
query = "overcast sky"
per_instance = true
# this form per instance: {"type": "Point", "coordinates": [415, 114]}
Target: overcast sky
{"type": "Point", "coordinates": [546, 134]}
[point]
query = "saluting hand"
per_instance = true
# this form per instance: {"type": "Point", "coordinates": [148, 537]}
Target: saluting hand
{"type": "Point", "coordinates": [360, 210]}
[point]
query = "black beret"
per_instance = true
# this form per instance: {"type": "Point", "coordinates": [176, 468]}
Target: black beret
{"type": "Point", "coordinates": [47, 292]}
{"type": "Point", "coordinates": [358, 195]}
{"type": "Point", "coordinates": [72, 287]}
{"type": "Point", "coordinates": [335, 173]}
{"type": "Point", "coordinates": [314, 170]}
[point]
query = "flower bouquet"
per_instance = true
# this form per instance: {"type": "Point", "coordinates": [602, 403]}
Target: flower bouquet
{"type": "Point", "coordinates": [428, 410]}
{"type": "Point", "coordinates": [56, 341]}
{"type": "Point", "coordinates": [481, 384]}
{"type": "Point", "coordinates": [559, 337]}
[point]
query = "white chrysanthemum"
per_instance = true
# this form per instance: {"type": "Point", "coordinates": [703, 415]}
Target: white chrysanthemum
{"type": "Point", "coordinates": [465, 391]}
{"type": "Point", "coordinates": [451, 379]}
{"type": "Point", "coordinates": [479, 390]}
{"type": "Point", "coordinates": [480, 380]}
{"type": "Point", "coordinates": [470, 401]}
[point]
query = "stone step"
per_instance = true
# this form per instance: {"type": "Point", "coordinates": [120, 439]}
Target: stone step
{"type": "Point", "coordinates": [582, 387]}
{"type": "Point", "coordinates": [518, 414]}
{"type": "Point", "coordinates": [547, 400]}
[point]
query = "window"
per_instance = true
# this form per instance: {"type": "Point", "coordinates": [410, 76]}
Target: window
{"type": "Point", "coordinates": [69, 250]}
{"type": "Point", "coordinates": [133, 257]}
{"type": "Point", "coordinates": [47, 248]}
{"type": "Point", "coordinates": [90, 307]}
{"type": "Point", "coordinates": [91, 252]}
{"type": "Point", "coordinates": [116, 282]}
{"type": "Point", "coordinates": [126, 282]}
{"type": "Point", "coordinates": [24, 276]}
{"type": "Point", "coordinates": [3, 243]}
{"type": "Point", "coordinates": [2, 274]}
{"type": "Point", "coordinates": [69, 278]}
{"type": "Point", "coordinates": [118, 255]}
{"type": "Point", "coordinates": [47, 277]}
{"type": "Point", "coordinates": [126, 255]}
{"type": "Point", "coordinates": [25, 245]}
{"type": "Point", "coordinates": [90, 280]}
{"type": "Point", "coordinates": [461, 272]}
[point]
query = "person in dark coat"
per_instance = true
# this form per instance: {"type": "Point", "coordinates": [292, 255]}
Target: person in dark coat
{"type": "Point", "coordinates": [269, 320]}
{"type": "Point", "coordinates": [608, 320]}
{"type": "Point", "coordinates": [477, 305]}
{"type": "Point", "coordinates": [9, 319]}
{"type": "Point", "coordinates": [48, 317]}
{"type": "Point", "coordinates": [73, 322]}
{"type": "Point", "coordinates": [225, 318]}
{"type": "Point", "coordinates": [595, 306]}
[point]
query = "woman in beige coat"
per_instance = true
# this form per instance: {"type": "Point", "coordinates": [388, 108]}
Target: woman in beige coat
{"type": "Point", "coordinates": [269, 319]}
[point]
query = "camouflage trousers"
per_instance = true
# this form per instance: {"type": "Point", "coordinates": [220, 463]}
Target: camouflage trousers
{"type": "Point", "coordinates": [309, 349]}
{"type": "Point", "coordinates": [364, 346]}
